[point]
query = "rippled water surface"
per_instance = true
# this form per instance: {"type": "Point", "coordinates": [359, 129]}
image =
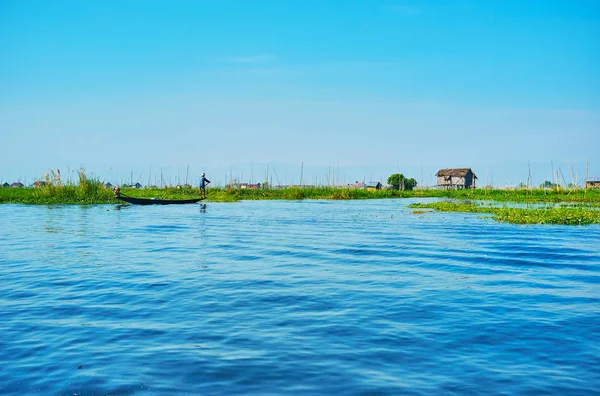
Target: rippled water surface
{"type": "Point", "coordinates": [281, 297]}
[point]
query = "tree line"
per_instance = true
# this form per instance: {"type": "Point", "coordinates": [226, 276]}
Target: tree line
{"type": "Point", "coordinates": [400, 182]}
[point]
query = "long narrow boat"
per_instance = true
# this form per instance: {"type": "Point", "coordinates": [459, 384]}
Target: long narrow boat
{"type": "Point", "coordinates": [156, 201]}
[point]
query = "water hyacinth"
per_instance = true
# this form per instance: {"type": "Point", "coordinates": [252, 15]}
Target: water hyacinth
{"type": "Point", "coordinates": [545, 215]}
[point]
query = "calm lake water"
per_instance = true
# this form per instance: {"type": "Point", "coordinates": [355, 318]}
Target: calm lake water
{"type": "Point", "coordinates": [294, 297]}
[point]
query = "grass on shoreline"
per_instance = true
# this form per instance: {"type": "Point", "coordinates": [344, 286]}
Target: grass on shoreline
{"type": "Point", "coordinates": [91, 191]}
{"type": "Point", "coordinates": [578, 205]}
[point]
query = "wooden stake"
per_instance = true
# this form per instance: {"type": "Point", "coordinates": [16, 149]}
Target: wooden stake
{"type": "Point", "coordinates": [586, 177]}
{"type": "Point", "coordinates": [553, 176]}
{"type": "Point", "coordinates": [573, 181]}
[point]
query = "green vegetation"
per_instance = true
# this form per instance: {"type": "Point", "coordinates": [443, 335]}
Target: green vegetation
{"type": "Point", "coordinates": [53, 191]}
{"type": "Point", "coordinates": [399, 182]}
{"type": "Point", "coordinates": [548, 184]}
{"type": "Point", "coordinates": [91, 191]}
{"type": "Point", "coordinates": [591, 197]}
{"type": "Point", "coordinates": [576, 206]}
{"type": "Point", "coordinates": [546, 215]}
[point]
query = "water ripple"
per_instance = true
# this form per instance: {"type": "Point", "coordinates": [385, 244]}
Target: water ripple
{"type": "Point", "coordinates": [306, 297]}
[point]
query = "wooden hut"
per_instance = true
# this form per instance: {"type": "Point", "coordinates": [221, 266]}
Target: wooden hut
{"type": "Point", "coordinates": [456, 178]}
{"type": "Point", "coordinates": [592, 182]}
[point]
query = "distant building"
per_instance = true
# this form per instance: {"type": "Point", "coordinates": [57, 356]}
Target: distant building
{"type": "Point", "coordinates": [17, 185]}
{"type": "Point", "coordinates": [373, 186]}
{"type": "Point", "coordinates": [592, 182]}
{"type": "Point", "coordinates": [456, 178]}
{"type": "Point", "coordinates": [39, 184]}
{"type": "Point", "coordinates": [136, 185]}
{"type": "Point", "coordinates": [356, 185]}
{"type": "Point", "coordinates": [108, 186]}
{"type": "Point", "coordinates": [6, 185]}
{"type": "Point", "coordinates": [244, 186]}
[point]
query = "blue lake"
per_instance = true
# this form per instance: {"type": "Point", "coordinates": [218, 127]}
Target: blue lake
{"type": "Point", "coordinates": [294, 297]}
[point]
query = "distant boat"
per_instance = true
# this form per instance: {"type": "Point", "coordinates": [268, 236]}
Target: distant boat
{"type": "Point", "coordinates": [156, 201]}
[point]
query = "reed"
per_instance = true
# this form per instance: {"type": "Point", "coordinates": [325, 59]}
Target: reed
{"type": "Point", "coordinates": [87, 191]}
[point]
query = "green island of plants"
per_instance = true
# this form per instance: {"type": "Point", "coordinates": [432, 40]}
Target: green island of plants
{"type": "Point", "coordinates": [578, 215]}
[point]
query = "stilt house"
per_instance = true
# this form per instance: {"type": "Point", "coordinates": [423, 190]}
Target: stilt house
{"type": "Point", "coordinates": [456, 178]}
{"type": "Point", "coordinates": [592, 182]}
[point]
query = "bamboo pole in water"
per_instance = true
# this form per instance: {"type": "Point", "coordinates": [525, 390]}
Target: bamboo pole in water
{"type": "Point", "coordinates": [573, 181]}
{"type": "Point", "coordinates": [586, 177]}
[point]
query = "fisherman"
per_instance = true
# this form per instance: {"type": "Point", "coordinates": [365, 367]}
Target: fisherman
{"type": "Point", "coordinates": [203, 182]}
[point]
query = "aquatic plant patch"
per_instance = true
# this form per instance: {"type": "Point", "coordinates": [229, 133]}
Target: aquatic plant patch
{"type": "Point", "coordinates": [549, 215]}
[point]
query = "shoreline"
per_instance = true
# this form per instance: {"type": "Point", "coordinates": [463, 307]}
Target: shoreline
{"type": "Point", "coordinates": [578, 207]}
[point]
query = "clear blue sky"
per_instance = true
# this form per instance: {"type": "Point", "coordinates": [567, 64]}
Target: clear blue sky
{"type": "Point", "coordinates": [367, 87]}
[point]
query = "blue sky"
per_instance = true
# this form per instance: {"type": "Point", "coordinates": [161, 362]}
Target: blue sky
{"type": "Point", "coordinates": [365, 88]}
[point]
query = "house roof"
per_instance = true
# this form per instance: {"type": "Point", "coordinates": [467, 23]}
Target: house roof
{"type": "Point", "coordinates": [372, 184]}
{"type": "Point", "coordinates": [456, 172]}
{"type": "Point", "coordinates": [594, 179]}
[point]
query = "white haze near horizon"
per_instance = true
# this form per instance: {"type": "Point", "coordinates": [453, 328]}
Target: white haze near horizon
{"type": "Point", "coordinates": [121, 139]}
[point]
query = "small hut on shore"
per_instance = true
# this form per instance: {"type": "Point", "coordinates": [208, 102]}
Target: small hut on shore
{"type": "Point", "coordinates": [17, 185]}
{"type": "Point", "coordinates": [456, 178]}
{"type": "Point", "coordinates": [5, 185]}
{"type": "Point", "coordinates": [592, 182]}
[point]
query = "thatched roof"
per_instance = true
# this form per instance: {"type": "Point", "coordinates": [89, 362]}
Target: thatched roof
{"type": "Point", "coordinates": [454, 172]}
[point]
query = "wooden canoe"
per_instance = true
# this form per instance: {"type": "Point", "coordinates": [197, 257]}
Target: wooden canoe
{"type": "Point", "coordinates": [156, 201]}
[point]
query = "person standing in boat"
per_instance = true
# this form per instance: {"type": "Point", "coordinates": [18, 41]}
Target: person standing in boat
{"type": "Point", "coordinates": [203, 182]}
